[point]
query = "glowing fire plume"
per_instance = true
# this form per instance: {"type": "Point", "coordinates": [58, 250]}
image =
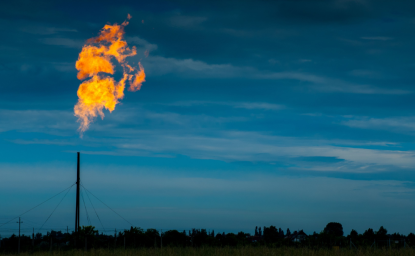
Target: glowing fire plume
{"type": "Point", "coordinates": [94, 63]}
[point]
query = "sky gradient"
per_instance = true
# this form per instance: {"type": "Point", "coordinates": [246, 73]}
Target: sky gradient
{"type": "Point", "coordinates": [253, 113]}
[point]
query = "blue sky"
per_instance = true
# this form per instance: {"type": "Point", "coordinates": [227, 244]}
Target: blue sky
{"type": "Point", "coordinates": [254, 113]}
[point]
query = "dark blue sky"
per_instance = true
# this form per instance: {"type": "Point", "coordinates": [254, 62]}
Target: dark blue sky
{"type": "Point", "coordinates": [285, 113]}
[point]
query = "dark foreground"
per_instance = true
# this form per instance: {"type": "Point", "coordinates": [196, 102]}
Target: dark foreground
{"type": "Point", "coordinates": [227, 251]}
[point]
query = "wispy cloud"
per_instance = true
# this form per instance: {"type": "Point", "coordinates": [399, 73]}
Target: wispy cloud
{"type": "Point", "coordinates": [60, 142]}
{"type": "Point", "coordinates": [139, 42]}
{"type": "Point", "coordinates": [66, 42]}
{"type": "Point", "coordinates": [325, 84]}
{"type": "Point", "coordinates": [130, 179]}
{"type": "Point", "coordinates": [242, 105]}
{"type": "Point", "coordinates": [145, 191]}
{"type": "Point", "coordinates": [158, 65]}
{"type": "Point", "coordinates": [394, 124]}
{"type": "Point", "coordinates": [255, 147]}
{"type": "Point", "coordinates": [197, 137]}
{"type": "Point", "coordinates": [377, 38]}
{"type": "Point", "coordinates": [40, 29]}
{"type": "Point", "coordinates": [254, 105]}
{"type": "Point", "coordinates": [45, 121]}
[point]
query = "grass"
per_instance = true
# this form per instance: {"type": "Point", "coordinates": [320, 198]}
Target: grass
{"type": "Point", "coordinates": [230, 251]}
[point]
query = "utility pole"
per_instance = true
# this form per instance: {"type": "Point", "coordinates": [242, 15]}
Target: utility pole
{"type": "Point", "coordinates": [18, 249]}
{"type": "Point", "coordinates": [161, 238]}
{"type": "Point", "coordinates": [33, 238]}
{"type": "Point", "coordinates": [115, 240]}
{"type": "Point", "coordinates": [77, 200]}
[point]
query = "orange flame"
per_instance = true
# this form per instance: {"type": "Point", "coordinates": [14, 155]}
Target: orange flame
{"type": "Point", "coordinates": [95, 62]}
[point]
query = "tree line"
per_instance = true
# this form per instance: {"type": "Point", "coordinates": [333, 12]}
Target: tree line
{"type": "Point", "coordinates": [88, 238]}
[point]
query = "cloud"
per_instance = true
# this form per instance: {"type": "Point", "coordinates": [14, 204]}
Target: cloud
{"type": "Point", "coordinates": [325, 84]}
{"type": "Point", "coordinates": [158, 65]}
{"type": "Point", "coordinates": [250, 146]}
{"type": "Point", "coordinates": [135, 40]}
{"type": "Point", "coordinates": [66, 42]}
{"type": "Point", "coordinates": [150, 194]}
{"type": "Point", "coordinates": [44, 30]}
{"type": "Point", "coordinates": [242, 105]}
{"type": "Point", "coordinates": [393, 124]}
{"type": "Point", "coordinates": [44, 142]}
{"type": "Point", "coordinates": [198, 136]}
{"type": "Point", "coordinates": [45, 121]}
{"type": "Point", "coordinates": [377, 38]}
{"type": "Point", "coordinates": [260, 105]}
{"type": "Point", "coordinates": [159, 181]}
{"type": "Point", "coordinates": [251, 53]}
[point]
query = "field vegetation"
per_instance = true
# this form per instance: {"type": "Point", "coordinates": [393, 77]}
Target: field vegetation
{"type": "Point", "coordinates": [225, 251]}
{"type": "Point", "coordinates": [266, 241]}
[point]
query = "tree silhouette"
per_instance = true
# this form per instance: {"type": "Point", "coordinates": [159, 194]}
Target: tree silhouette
{"type": "Point", "coordinates": [334, 228]}
{"type": "Point", "coordinates": [271, 234]}
{"type": "Point", "coordinates": [382, 231]}
{"type": "Point", "coordinates": [174, 238]}
{"type": "Point", "coordinates": [353, 233]}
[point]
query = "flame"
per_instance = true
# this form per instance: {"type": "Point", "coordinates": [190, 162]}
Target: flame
{"type": "Point", "coordinates": [95, 63]}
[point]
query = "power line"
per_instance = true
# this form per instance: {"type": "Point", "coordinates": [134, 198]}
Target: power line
{"type": "Point", "coordinates": [56, 207]}
{"type": "Point", "coordinates": [37, 205]}
{"type": "Point", "coordinates": [94, 209]}
{"type": "Point", "coordinates": [34, 223]}
{"type": "Point", "coordinates": [87, 215]}
{"type": "Point", "coordinates": [106, 205]}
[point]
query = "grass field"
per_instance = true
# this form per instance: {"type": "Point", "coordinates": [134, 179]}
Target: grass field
{"type": "Point", "coordinates": [212, 251]}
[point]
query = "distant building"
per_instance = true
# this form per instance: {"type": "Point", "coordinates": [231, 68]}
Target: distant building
{"type": "Point", "coordinates": [297, 236]}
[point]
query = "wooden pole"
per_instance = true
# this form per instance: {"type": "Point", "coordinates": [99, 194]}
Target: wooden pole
{"type": "Point", "coordinates": [77, 198]}
{"type": "Point", "coordinates": [18, 247]}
